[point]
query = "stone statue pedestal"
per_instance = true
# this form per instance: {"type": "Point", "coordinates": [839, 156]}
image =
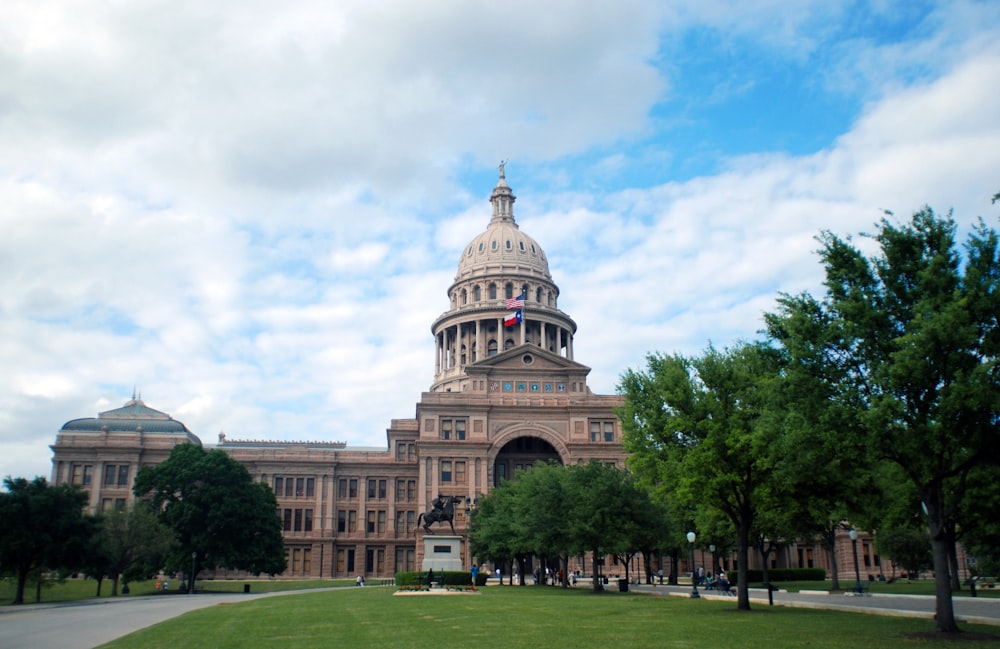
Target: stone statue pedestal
{"type": "Point", "coordinates": [442, 553]}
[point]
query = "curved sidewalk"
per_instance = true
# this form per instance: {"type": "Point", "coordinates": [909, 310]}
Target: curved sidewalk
{"type": "Point", "coordinates": [90, 623]}
{"type": "Point", "coordinates": [974, 610]}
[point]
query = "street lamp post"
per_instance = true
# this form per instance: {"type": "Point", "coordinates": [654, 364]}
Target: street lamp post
{"type": "Point", "coordinates": [857, 569]}
{"type": "Point", "coordinates": [694, 576]}
{"type": "Point", "coordinates": [711, 548]}
{"type": "Point", "coordinates": [194, 559]}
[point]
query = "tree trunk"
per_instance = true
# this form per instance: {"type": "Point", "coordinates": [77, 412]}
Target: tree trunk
{"type": "Point", "coordinates": [597, 585]}
{"type": "Point", "coordinates": [830, 545]}
{"type": "Point", "coordinates": [944, 616]}
{"type": "Point", "coordinates": [674, 566]}
{"type": "Point", "coordinates": [742, 571]}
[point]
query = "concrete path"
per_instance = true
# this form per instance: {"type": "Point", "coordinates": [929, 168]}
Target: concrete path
{"type": "Point", "coordinates": [978, 610]}
{"type": "Point", "coordinates": [91, 623]}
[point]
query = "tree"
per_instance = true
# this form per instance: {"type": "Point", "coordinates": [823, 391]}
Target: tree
{"type": "Point", "coordinates": [696, 426]}
{"type": "Point", "coordinates": [492, 529]}
{"type": "Point", "coordinates": [221, 517]}
{"type": "Point", "coordinates": [913, 329]}
{"type": "Point", "coordinates": [44, 528]}
{"type": "Point", "coordinates": [907, 547]}
{"type": "Point", "coordinates": [540, 494]}
{"type": "Point", "coordinates": [131, 545]}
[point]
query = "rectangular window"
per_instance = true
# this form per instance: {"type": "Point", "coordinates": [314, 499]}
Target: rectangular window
{"type": "Point", "coordinates": [119, 504]}
{"type": "Point", "coordinates": [400, 451]}
{"type": "Point", "coordinates": [411, 521]}
{"type": "Point", "coordinates": [297, 560]}
{"type": "Point", "coordinates": [279, 486]}
{"type": "Point", "coordinates": [400, 490]}
{"type": "Point", "coordinates": [342, 488]}
{"type": "Point", "coordinates": [453, 428]}
{"type": "Point", "coordinates": [300, 487]}
{"type": "Point", "coordinates": [411, 452]}
{"type": "Point", "coordinates": [411, 490]}
{"type": "Point", "coordinates": [371, 489]}
{"type": "Point", "coordinates": [286, 520]}
{"type": "Point", "coordinates": [381, 521]}
{"type": "Point", "coordinates": [459, 472]}
{"type": "Point", "coordinates": [352, 521]}
{"type": "Point", "coordinates": [310, 487]}
{"type": "Point", "coordinates": [298, 521]}
{"type": "Point", "coordinates": [307, 522]}
{"type": "Point", "coordinates": [446, 471]}
{"type": "Point", "coordinates": [382, 484]}
{"type": "Point", "coordinates": [306, 561]}
{"type": "Point", "coordinates": [88, 474]}
{"type": "Point", "coordinates": [341, 521]}
{"type": "Point", "coordinates": [370, 522]}
{"type": "Point", "coordinates": [107, 502]}
{"type": "Point", "coordinates": [353, 488]}
{"type": "Point", "coordinates": [602, 431]}
{"type": "Point", "coordinates": [110, 471]}
{"type": "Point", "coordinates": [122, 475]}
{"type": "Point", "coordinates": [400, 522]}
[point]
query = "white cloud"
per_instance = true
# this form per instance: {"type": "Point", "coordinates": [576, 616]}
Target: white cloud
{"type": "Point", "coordinates": [253, 212]}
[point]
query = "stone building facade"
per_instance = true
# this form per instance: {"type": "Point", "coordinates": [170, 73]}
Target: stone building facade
{"type": "Point", "coordinates": [504, 395]}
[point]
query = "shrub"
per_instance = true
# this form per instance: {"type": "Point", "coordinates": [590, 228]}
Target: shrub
{"type": "Point", "coordinates": [781, 574]}
{"type": "Point", "coordinates": [444, 578]}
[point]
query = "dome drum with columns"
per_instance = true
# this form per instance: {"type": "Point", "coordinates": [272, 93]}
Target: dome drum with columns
{"type": "Point", "coordinates": [500, 263]}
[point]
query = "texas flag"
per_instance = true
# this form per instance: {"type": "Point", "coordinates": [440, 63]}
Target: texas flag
{"type": "Point", "coordinates": [513, 318]}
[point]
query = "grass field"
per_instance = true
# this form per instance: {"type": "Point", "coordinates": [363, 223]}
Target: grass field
{"type": "Point", "coordinates": [505, 618]}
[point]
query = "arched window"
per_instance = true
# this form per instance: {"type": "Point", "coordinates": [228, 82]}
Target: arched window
{"type": "Point", "coordinates": [538, 296]}
{"type": "Point", "coordinates": [476, 293]}
{"type": "Point", "coordinates": [462, 357]}
{"type": "Point", "coordinates": [508, 344]}
{"type": "Point", "coordinates": [491, 347]}
{"type": "Point", "coordinates": [465, 297]}
{"type": "Point", "coordinates": [493, 291]}
{"type": "Point", "coordinates": [508, 290]}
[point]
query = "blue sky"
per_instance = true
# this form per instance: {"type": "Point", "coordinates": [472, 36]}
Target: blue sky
{"type": "Point", "coordinates": [252, 212]}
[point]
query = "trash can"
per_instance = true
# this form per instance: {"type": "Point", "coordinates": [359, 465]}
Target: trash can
{"type": "Point", "coordinates": [246, 588]}
{"type": "Point", "coordinates": [623, 585]}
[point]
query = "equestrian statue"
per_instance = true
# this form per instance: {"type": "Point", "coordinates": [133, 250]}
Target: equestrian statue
{"type": "Point", "coordinates": [443, 509]}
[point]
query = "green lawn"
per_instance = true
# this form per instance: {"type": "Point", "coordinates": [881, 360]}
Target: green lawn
{"type": "Point", "coordinates": [506, 618]}
{"type": "Point", "coordinates": [75, 589]}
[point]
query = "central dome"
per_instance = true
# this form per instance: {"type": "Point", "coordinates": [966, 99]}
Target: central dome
{"type": "Point", "coordinates": [502, 245]}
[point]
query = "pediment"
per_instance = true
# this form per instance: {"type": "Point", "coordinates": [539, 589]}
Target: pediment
{"type": "Point", "coordinates": [526, 359]}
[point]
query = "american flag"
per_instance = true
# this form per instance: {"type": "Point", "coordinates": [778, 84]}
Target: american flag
{"type": "Point", "coordinates": [517, 302]}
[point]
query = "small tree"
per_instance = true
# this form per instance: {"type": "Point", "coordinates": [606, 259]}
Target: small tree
{"type": "Point", "coordinates": [44, 528]}
{"type": "Point", "coordinates": [907, 547]}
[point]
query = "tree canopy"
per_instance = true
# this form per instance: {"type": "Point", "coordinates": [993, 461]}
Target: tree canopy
{"type": "Point", "coordinates": [44, 528]}
{"type": "Point", "coordinates": [221, 517]}
{"type": "Point", "coordinates": [700, 428]}
{"type": "Point", "coordinates": [556, 511]}
{"type": "Point", "coordinates": [911, 331]}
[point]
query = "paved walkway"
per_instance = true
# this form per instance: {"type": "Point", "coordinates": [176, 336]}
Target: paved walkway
{"type": "Point", "coordinates": [91, 623]}
{"type": "Point", "coordinates": [978, 610]}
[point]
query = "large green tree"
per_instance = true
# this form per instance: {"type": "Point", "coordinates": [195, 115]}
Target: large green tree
{"type": "Point", "coordinates": [43, 528]}
{"type": "Point", "coordinates": [221, 517]}
{"type": "Point", "coordinates": [699, 427]}
{"type": "Point", "coordinates": [913, 328]}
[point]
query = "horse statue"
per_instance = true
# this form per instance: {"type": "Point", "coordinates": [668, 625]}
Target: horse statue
{"type": "Point", "coordinates": [444, 510]}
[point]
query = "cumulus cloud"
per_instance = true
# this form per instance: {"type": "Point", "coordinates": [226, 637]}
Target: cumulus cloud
{"type": "Point", "coordinates": [253, 212]}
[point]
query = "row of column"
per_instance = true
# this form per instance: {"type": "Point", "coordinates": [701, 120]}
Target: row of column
{"type": "Point", "coordinates": [450, 340]}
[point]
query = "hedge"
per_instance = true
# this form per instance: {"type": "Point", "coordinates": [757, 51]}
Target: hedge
{"type": "Point", "coordinates": [781, 574]}
{"type": "Point", "coordinates": [445, 578]}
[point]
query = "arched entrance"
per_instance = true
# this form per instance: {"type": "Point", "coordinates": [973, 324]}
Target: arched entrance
{"type": "Point", "coordinates": [519, 454]}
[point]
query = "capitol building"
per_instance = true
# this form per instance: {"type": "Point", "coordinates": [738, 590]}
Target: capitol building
{"type": "Point", "coordinates": [506, 393]}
